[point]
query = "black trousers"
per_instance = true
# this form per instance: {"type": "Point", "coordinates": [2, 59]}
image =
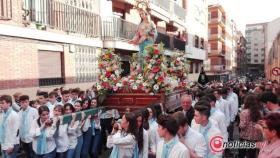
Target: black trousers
{"type": "Point", "coordinates": [27, 148]}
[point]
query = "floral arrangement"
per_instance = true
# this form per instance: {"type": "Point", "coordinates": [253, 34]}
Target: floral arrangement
{"type": "Point", "coordinates": [155, 70]}
{"type": "Point", "coordinates": [178, 69]}
{"type": "Point", "coordinates": [109, 71]}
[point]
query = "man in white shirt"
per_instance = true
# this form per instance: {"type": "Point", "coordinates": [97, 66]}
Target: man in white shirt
{"type": "Point", "coordinates": [222, 104]}
{"type": "Point", "coordinates": [170, 147]}
{"type": "Point", "coordinates": [209, 132]}
{"type": "Point", "coordinates": [8, 128]}
{"type": "Point", "coordinates": [26, 115]}
{"type": "Point", "coordinates": [192, 139]}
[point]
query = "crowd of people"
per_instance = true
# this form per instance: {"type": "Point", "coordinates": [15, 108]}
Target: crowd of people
{"type": "Point", "coordinates": [215, 110]}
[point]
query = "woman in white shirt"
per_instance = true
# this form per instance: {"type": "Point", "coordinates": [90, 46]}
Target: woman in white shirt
{"type": "Point", "coordinates": [71, 130]}
{"type": "Point", "coordinates": [123, 138]}
{"type": "Point", "coordinates": [96, 130]}
{"type": "Point", "coordinates": [143, 142]}
{"type": "Point", "coordinates": [42, 131]}
{"type": "Point", "coordinates": [61, 136]}
{"type": "Point", "coordinates": [78, 107]}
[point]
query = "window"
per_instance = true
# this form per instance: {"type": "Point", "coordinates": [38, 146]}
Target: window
{"type": "Point", "coordinates": [196, 41]}
{"type": "Point", "coordinates": [6, 9]}
{"type": "Point", "coordinates": [256, 55]}
{"type": "Point", "coordinates": [50, 68]}
{"type": "Point", "coordinates": [191, 68]}
{"type": "Point", "coordinates": [201, 43]}
{"type": "Point", "coordinates": [262, 60]}
{"type": "Point", "coordinates": [255, 60]}
{"type": "Point", "coordinates": [196, 67]}
{"type": "Point", "coordinates": [86, 64]}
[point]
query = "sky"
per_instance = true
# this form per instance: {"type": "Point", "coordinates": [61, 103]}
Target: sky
{"type": "Point", "coordinates": [250, 11]}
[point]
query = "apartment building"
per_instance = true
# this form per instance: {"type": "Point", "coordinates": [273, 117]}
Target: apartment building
{"type": "Point", "coordinates": [256, 36]}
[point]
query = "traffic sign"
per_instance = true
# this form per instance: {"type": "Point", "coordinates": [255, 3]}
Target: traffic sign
{"type": "Point", "coordinates": [276, 71]}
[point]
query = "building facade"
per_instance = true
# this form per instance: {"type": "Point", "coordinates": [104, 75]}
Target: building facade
{"type": "Point", "coordinates": [255, 48]}
{"type": "Point", "coordinates": [272, 51]}
{"type": "Point", "coordinates": [197, 24]}
{"type": "Point", "coordinates": [222, 39]}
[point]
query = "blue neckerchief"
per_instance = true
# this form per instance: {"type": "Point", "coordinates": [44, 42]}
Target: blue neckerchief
{"type": "Point", "coordinates": [24, 124]}
{"type": "Point", "coordinates": [212, 111]}
{"type": "Point", "coordinates": [204, 131]}
{"type": "Point", "coordinates": [42, 143]}
{"type": "Point", "coordinates": [168, 146]}
{"type": "Point", "coordinates": [115, 152]}
{"type": "Point", "coordinates": [151, 121]}
{"type": "Point", "coordinates": [93, 127]}
{"type": "Point", "coordinates": [3, 125]}
{"type": "Point", "coordinates": [136, 151]}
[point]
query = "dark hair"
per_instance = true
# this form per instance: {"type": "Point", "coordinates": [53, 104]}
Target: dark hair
{"type": "Point", "coordinates": [69, 105]}
{"type": "Point", "coordinates": [88, 100]}
{"type": "Point", "coordinates": [181, 119]}
{"type": "Point", "coordinates": [42, 109]}
{"type": "Point", "coordinates": [252, 104]}
{"type": "Point", "coordinates": [268, 97]}
{"type": "Point", "coordinates": [140, 140]}
{"type": "Point", "coordinates": [92, 100]}
{"type": "Point", "coordinates": [211, 97]}
{"type": "Point", "coordinates": [272, 121]}
{"type": "Point", "coordinates": [219, 90]}
{"type": "Point", "coordinates": [65, 92]}
{"type": "Point", "coordinates": [156, 108]}
{"type": "Point", "coordinates": [53, 93]}
{"type": "Point", "coordinates": [23, 98]}
{"type": "Point", "coordinates": [79, 101]}
{"type": "Point", "coordinates": [203, 107]}
{"type": "Point", "coordinates": [132, 127]}
{"type": "Point", "coordinates": [75, 90]}
{"type": "Point", "coordinates": [6, 98]}
{"type": "Point", "coordinates": [145, 116]}
{"type": "Point", "coordinates": [44, 94]}
{"type": "Point", "coordinates": [60, 107]}
{"type": "Point", "coordinates": [168, 122]}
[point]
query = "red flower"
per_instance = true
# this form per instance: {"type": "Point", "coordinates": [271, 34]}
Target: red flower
{"type": "Point", "coordinates": [105, 85]}
{"type": "Point", "coordinates": [161, 78]}
{"type": "Point", "coordinates": [156, 52]}
{"type": "Point", "coordinates": [108, 74]}
{"type": "Point", "coordinates": [158, 61]}
{"type": "Point", "coordinates": [101, 65]}
{"type": "Point", "coordinates": [155, 69]}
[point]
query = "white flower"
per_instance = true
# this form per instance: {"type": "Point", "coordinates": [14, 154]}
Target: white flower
{"type": "Point", "coordinates": [156, 87]}
{"type": "Point", "coordinates": [119, 85]}
{"type": "Point", "coordinates": [149, 66]}
{"type": "Point", "coordinates": [145, 84]}
{"type": "Point", "coordinates": [117, 72]}
{"type": "Point", "coordinates": [105, 79]}
{"type": "Point", "coordinates": [98, 87]}
{"type": "Point", "coordinates": [134, 87]}
{"type": "Point", "coordinates": [138, 81]}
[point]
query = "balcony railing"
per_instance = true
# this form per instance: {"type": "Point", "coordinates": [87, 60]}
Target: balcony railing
{"type": "Point", "coordinates": [164, 4]}
{"type": "Point", "coordinates": [50, 81]}
{"type": "Point", "coordinates": [179, 44]}
{"type": "Point", "coordinates": [163, 38]}
{"type": "Point", "coordinates": [179, 11]}
{"type": "Point", "coordinates": [217, 68]}
{"type": "Point", "coordinates": [61, 16]}
{"type": "Point", "coordinates": [116, 28]}
{"type": "Point", "coordinates": [5, 9]}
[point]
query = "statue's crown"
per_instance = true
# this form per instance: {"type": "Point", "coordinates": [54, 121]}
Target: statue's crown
{"type": "Point", "coordinates": [142, 5]}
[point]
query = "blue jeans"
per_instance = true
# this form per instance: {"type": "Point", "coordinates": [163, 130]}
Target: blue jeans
{"type": "Point", "coordinates": [79, 147]}
{"type": "Point", "coordinates": [48, 155]}
{"type": "Point", "coordinates": [11, 155]}
{"type": "Point", "coordinates": [70, 153]}
{"type": "Point", "coordinates": [87, 136]}
{"type": "Point", "coordinates": [95, 142]}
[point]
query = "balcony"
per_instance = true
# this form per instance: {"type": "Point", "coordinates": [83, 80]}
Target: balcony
{"type": "Point", "coordinates": [179, 11]}
{"type": "Point", "coordinates": [61, 16]}
{"type": "Point", "coordinates": [6, 9]}
{"type": "Point", "coordinates": [217, 68]}
{"type": "Point", "coordinates": [114, 28]}
{"type": "Point", "coordinates": [220, 53]}
{"type": "Point", "coordinates": [179, 44]}
{"type": "Point", "coordinates": [217, 36]}
{"type": "Point", "coordinates": [163, 38]}
{"type": "Point", "coordinates": [163, 4]}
